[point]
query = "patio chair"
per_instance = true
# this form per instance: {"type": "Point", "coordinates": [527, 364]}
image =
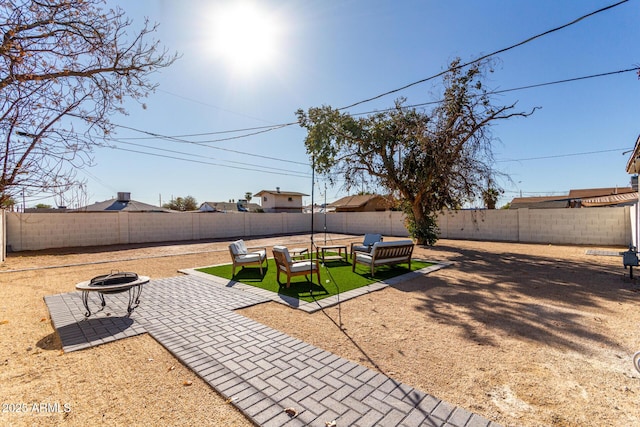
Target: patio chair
{"type": "Point", "coordinates": [367, 243]}
{"type": "Point", "coordinates": [288, 266]}
{"type": "Point", "coordinates": [241, 255]}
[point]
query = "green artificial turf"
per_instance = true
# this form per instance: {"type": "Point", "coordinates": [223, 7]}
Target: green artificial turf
{"type": "Point", "coordinates": [336, 277]}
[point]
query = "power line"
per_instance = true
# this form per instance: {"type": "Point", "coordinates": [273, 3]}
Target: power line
{"type": "Point", "coordinates": [466, 64]}
{"type": "Point", "coordinates": [206, 163]}
{"type": "Point", "coordinates": [184, 141]}
{"type": "Point", "coordinates": [178, 139]}
{"type": "Point", "coordinates": [575, 79]}
{"type": "Point", "coordinates": [210, 158]}
{"type": "Point", "coordinates": [557, 156]}
{"type": "Point", "coordinates": [269, 128]}
{"type": "Point", "coordinates": [212, 106]}
{"type": "Point", "coordinates": [497, 92]}
{"type": "Point", "coordinates": [273, 127]}
{"type": "Point", "coordinates": [154, 135]}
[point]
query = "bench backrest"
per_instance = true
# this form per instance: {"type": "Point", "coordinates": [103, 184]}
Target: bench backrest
{"type": "Point", "coordinates": [400, 248]}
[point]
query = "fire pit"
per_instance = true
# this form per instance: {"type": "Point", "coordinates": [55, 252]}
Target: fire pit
{"type": "Point", "coordinates": [113, 283]}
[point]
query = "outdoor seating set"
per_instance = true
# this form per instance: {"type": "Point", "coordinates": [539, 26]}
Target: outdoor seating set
{"type": "Point", "coordinates": [372, 252]}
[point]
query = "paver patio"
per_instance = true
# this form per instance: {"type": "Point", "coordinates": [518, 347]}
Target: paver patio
{"type": "Point", "coordinates": [261, 370]}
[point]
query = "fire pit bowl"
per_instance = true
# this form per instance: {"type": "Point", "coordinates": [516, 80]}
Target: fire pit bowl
{"type": "Point", "coordinates": [113, 283]}
{"type": "Point", "coordinates": [106, 282]}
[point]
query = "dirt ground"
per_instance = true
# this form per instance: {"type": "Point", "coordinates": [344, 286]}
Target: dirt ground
{"type": "Point", "coordinates": [525, 335]}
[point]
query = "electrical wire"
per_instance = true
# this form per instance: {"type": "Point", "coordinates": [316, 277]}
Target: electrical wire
{"type": "Point", "coordinates": [483, 57]}
{"type": "Point", "coordinates": [269, 129]}
{"type": "Point", "coordinates": [557, 156]}
{"type": "Point", "coordinates": [210, 158]}
{"type": "Point", "coordinates": [574, 79]}
{"type": "Point", "coordinates": [206, 163]}
{"type": "Point", "coordinates": [218, 132]}
{"type": "Point", "coordinates": [501, 91]}
{"type": "Point", "coordinates": [184, 141]}
{"type": "Point", "coordinates": [178, 138]}
{"type": "Point", "coordinates": [211, 106]}
{"type": "Point", "coordinates": [153, 135]}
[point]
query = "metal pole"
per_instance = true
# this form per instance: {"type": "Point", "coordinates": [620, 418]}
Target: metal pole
{"type": "Point", "coordinates": [325, 213]}
{"type": "Point", "coordinates": [313, 184]}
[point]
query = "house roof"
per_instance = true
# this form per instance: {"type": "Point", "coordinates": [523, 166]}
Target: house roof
{"type": "Point", "coordinates": [354, 201]}
{"type": "Point", "coordinates": [540, 202]}
{"type": "Point", "coordinates": [284, 193]}
{"type": "Point", "coordinates": [614, 199]}
{"type": "Point", "coordinates": [589, 197]}
{"type": "Point", "coordinates": [115, 205]}
{"type": "Point", "coordinates": [598, 192]}
{"type": "Point", "coordinates": [633, 164]}
{"type": "Point", "coordinates": [230, 206]}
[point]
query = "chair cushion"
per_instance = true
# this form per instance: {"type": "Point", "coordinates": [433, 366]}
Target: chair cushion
{"type": "Point", "coordinates": [364, 258]}
{"type": "Point", "coordinates": [362, 248]}
{"type": "Point", "coordinates": [238, 247]}
{"type": "Point", "coordinates": [395, 243]}
{"type": "Point", "coordinates": [284, 250]}
{"type": "Point", "coordinates": [370, 239]}
{"type": "Point", "coordinates": [253, 257]}
{"type": "Point", "coordinates": [391, 260]}
{"type": "Point", "coordinates": [297, 267]}
{"type": "Point", "coordinates": [262, 253]}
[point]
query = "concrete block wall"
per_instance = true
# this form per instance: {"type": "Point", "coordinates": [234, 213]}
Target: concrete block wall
{"type": "Point", "coordinates": [596, 226]}
{"type": "Point", "coordinates": [35, 231]}
{"type": "Point", "coordinates": [217, 225]}
{"type": "Point", "coordinates": [27, 231]}
{"type": "Point", "coordinates": [492, 225]}
{"type": "Point", "coordinates": [159, 227]}
{"type": "Point", "coordinates": [3, 234]}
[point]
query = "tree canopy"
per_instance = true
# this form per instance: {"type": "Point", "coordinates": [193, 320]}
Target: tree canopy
{"type": "Point", "coordinates": [66, 66]}
{"type": "Point", "coordinates": [429, 159]}
{"type": "Point", "coordinates": [188, 203]}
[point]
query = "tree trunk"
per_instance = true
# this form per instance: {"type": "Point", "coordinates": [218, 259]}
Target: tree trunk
{"type": "Point", "coordinates": [418, 217]}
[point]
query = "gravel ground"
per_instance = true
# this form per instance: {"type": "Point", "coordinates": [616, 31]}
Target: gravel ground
{"type": "Point", "coordinates": [525, 335]}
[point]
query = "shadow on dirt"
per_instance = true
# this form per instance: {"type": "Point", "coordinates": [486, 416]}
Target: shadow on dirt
{"type": "Point", "coordinates": [510, 294]}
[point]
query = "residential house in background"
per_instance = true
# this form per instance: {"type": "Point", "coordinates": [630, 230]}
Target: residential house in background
{"type": "Point", "coordinates": [239, 206]}
{"type": "Point", "coordinates": [122, 203]}
{"type": "Point", "coordinates": [580, 198]}
{"type": "Point", "coordinates": [633, 167]}
{"type": "Point", "coordinates": [361, 203]}
{"type": "Point", "coordinates": [543, 202]}
{"type": "Point", "coordinates": [280, 201]}
{"type": "Point", "coordinates": [597, 197]}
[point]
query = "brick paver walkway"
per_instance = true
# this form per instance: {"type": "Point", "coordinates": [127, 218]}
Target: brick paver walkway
{"type": "Point", "coordinates": [261, 370]}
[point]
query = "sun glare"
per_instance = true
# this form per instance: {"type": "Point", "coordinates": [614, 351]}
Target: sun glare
{"type": "Point", "coordinates": [245, 37]}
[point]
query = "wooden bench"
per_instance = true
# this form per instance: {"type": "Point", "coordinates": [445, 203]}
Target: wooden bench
{"type": "Point", "coordinates": [385, 253]}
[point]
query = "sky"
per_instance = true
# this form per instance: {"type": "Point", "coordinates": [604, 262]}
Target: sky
{"type": "Point", "coordinates": [251, 64]}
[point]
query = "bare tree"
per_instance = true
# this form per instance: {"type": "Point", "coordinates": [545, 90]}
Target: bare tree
{"type": "Point", "coordinates": [74, 198]}
{"type": "Point", "coordinates": [66, 67]}
{"type": "Point", "coordinates": [429, 160]}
